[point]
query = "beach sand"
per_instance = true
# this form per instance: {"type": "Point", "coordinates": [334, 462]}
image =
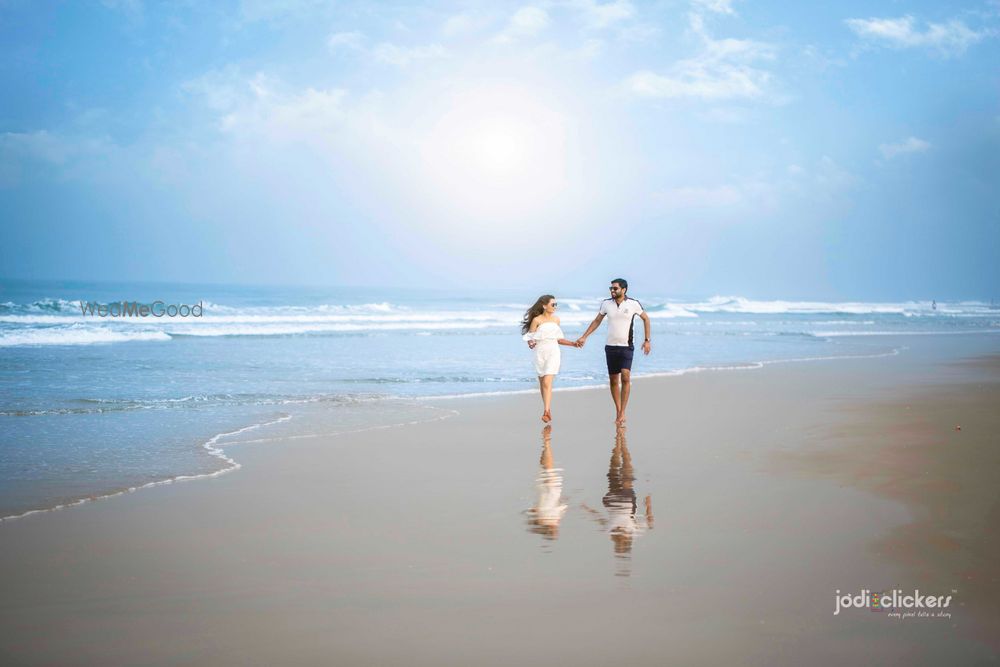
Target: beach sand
{"type": "Point", "coordinates": [758, 494]}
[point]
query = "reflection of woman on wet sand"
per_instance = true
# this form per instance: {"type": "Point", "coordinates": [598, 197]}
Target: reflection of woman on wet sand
{"type": "Point", "coordinates": [621, 521]}
{"type": "Point", "coordinates": [544, 517]}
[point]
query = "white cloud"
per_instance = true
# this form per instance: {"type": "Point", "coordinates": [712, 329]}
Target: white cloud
{"type": "Point", "coordinates": [748, 196]}
{"type": "Point", "coordinates": [727, 115]}
{"type": "Point", "coordinates": [65, 153]}
{"type": "Point", "coordinates": [263, 106]}
{"type": "Point", "coordinates": [270, 11]}
{"type": "Point", "coordinates": [715, 6]}
{"type": "Point", "coordinates": [40, 145]}
{"type": "Point", "coordinates": [951, 38]}
{"type": "Point", "coordinates": [831, 177]}
{"type": "Point", "coordinates": [638, 32]}
{"type": "Point", "coordinates": [402, 56]}
{"type": "Point", "coordinates": [526, 22]}
{"type": "Point", "coordinates": [598, 16]}
{"type": "Point", "coordinates": [619, 18]}
{"type": "Point", "coordinates": [465, 23]}
{"type": "Point", "coordinates": [54, 148]}
{"type": "Point", "coordinates": [725, 69]}
{"type": "Point", "coordinates": [219, 89]}
{"type": "Point", "coordinates": [457, 25]}
{"type": "Point", "coordinates": [132, 9]}
{"type": "Point", "coordinates": [590, 49]}
{"type": "Point", "coordinates": [688, 197]}
{"type": "Point", "coordinates": [911, 145]}
{"type": "Point", "coordinates": [385, 52]}
{"type": "Point", "coordinates": [529, 21]}
{"type": "Point", "coordinates": [691, 80]}
{"type": "Point", "coordinates": [287, 116]}
{"type": "Point", "coordinates": [345, 40]}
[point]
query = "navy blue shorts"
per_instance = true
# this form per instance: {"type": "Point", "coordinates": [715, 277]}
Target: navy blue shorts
{"type": "Point", "coordinates": [619, 357]}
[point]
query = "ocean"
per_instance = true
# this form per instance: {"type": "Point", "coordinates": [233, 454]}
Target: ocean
{"type": "Point", "coordinates": [93, 406]}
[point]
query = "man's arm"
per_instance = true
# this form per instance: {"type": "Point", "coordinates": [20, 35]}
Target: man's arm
{"type": "Point", "coordinates": [582, 340]}
{"type": "Point", "coordinates": [648, 327]}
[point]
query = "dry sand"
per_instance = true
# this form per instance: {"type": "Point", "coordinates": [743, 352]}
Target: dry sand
{"type": "Point", "coordinates": [758, 494]}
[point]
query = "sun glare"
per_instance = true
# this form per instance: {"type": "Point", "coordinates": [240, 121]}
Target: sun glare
{"type": "Point", "coordinates": [496, 152]}
{"type": "Point", "coordinates": [499, 145]}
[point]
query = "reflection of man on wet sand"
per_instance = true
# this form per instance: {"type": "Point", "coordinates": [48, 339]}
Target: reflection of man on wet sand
{"type": "Point", "coordinates": [621, 522]}
{"type": "Point", "coordinates": [544, 517]}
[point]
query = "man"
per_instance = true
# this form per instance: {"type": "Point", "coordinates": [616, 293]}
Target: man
{"type": "Point", "coordinates": [621, 311]}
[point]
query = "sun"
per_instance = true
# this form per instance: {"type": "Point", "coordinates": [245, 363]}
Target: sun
{"type": "Point", "coordinates": [496, 151]}
{"type": "Point", "coordinates": [498, 144]}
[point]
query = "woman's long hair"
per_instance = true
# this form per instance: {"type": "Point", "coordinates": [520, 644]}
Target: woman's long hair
{"type": "Point", "coordinates": [535, 311]}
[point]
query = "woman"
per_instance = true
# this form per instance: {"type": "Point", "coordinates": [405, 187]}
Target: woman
{"type": "Point", "coordinates": [541, 329]}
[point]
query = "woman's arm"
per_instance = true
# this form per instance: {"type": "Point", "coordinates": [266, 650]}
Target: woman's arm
{"type": "Point", "coordinates": [563, 341]}
{"type": "Point", "coordinates": [530, 336]}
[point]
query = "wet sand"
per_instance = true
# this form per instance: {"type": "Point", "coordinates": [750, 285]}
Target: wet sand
{"type": "Point", "coordinates": [485, 539]}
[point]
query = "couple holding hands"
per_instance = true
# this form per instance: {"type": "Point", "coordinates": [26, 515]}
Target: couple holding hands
{"type": "Point", "coordinates": [541, 330]}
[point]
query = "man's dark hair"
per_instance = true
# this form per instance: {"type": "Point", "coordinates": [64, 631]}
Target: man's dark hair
{"type": "Point", "coordinates": [621, 283]}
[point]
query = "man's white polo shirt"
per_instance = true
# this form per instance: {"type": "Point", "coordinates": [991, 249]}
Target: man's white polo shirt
{"type": "Point", "coordinates": [620, 317]}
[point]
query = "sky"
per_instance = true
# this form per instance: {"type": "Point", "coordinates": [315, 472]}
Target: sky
{"type": "Point", "coordinates": [840, 150]}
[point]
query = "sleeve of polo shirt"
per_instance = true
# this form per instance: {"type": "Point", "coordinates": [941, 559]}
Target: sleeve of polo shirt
{"type": "Point", "coordinates": [603, 310]}
{"type": "Point", "coordinates": [639, 306]}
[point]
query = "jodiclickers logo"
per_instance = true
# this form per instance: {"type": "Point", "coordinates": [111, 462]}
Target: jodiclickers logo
{"type": "Point", "coordinates": [880, 601]}
{"type": "Point", "coordinates": [136, 309]}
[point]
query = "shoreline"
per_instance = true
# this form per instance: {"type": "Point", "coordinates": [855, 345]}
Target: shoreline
{"type": "Point", "coordinates": [218, 452]}
{"type": "Point", "coordinates": [216, 449]}
{"type": "Point", "coordinates": [209, 445]}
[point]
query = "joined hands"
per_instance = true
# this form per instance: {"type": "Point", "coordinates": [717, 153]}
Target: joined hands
{"type": "Point", "coordinates": [577, 343]}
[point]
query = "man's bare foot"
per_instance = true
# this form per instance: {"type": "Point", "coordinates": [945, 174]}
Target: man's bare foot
{"type": "Point", "coordinates": [620, 419]}
{"type": "Point", "coordinates": [546, 417]}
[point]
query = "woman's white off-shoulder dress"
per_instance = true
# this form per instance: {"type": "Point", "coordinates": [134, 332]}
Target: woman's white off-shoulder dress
{"type": "Point", "coordinates": [547, 354]}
